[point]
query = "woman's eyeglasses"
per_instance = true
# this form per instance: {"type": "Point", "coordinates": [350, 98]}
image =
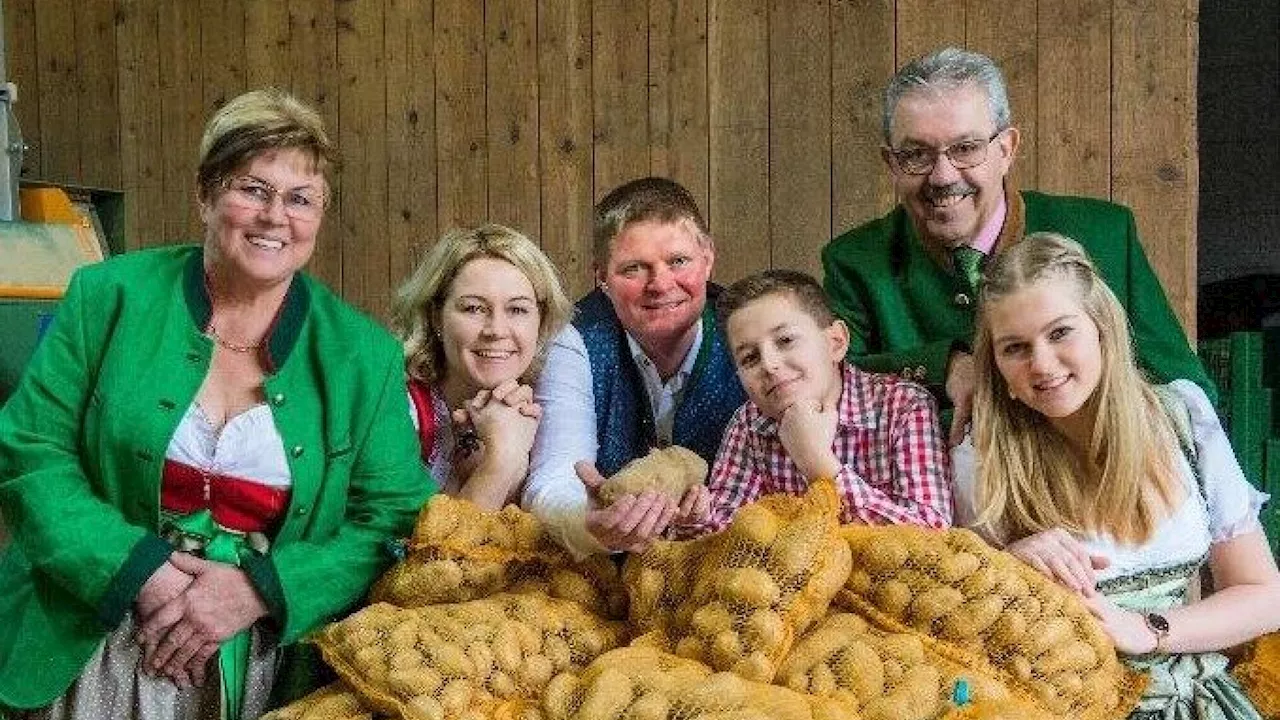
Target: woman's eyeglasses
{"type": "Point", "coordinates": [254, 194]}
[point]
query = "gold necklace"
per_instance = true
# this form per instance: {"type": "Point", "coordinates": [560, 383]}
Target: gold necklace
{"type": "Point", "coordinates": [212, 332]}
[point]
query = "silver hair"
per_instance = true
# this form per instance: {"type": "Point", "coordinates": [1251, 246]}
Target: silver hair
{"type": "Point", "coordinates": [948, 69]}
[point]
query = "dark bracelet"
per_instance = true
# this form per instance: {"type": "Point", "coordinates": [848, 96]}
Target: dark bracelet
{"type": "Point", "coordinates": [468, 441]}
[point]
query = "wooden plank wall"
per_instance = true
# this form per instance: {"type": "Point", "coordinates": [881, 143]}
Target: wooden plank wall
{"type": "Point", "coordinates": [459, 111]}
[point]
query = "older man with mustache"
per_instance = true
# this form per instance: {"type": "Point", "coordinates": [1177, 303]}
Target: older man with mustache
{"type": "Point", "coordinates": [906, 283]}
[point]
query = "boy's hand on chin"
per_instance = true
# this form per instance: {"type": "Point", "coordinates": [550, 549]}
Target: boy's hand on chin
{"type": "Point", "coordinates": [807, 431]}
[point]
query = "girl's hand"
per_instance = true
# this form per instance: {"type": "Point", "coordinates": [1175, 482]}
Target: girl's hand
{"type": "Point", "coordinates": [1060, 556]}
{"type": "Point", "coordinates": [1127, 629]}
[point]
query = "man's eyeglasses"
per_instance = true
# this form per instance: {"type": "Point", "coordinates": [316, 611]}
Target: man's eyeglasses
{"type": "Point", "coordinates": [962, 155]}
{"type": "Point", "coordinates": [254, 194]}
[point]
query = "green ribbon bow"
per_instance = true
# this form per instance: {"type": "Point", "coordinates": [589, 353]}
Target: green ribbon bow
{"type": "Point", "coordinates": [222, 546]}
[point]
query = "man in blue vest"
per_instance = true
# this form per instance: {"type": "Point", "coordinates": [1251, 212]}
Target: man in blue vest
{"type": "Point", "coordinates": [643, 365]}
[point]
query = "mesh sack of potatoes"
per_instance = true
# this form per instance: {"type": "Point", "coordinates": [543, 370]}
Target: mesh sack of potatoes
{"type": "Point", "coordinates": [992, 609]}
{"type": "Point", "coordinates": [659, 582]}
{"type": "Point", "coordinates": [890, 676]}
{"type": "Point", "coordinates": [336, 701]}
{"type": "Point", "coordinates": [462, 660]}
{"type": "Point", "coordinates": [460, 552]}
{"type": "Point", "coordinates": [660, 578]}
{"type": "Point", "coordinates": [518, 710]}
{"type": "Point", "coordinates": [595, 583]}
{"type": "Point", "coordinates": [645, 683]}
{"type": "Point", "coordinates": [1258, 673]}
{"type": "Point", "coordinates": [746, 592]}
{"type": "Point", "coordinates": [1008, 709]}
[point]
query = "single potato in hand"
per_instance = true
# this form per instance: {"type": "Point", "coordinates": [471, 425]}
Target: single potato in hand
{"type": "Point", "coordinates": [670, 470]}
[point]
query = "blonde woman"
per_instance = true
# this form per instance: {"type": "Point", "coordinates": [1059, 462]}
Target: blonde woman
{"type": "Point", "coordinates": [475, 319]}
{"type": "Point", "coordinates": [1115, 488]}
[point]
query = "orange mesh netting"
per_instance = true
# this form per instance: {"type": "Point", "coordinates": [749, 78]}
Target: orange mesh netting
{"type": "Point", "coordinates": [991, 612]}
{"type": "Point", "coordinates": [1259, 674]}
{"type": "Point", "coordinates": [460, 660]}
{"type": "Point", "coordinates": [459, 552]}
{"type": "Point", "coordinates": [736, 600]}
{"type": "Point", "coordinates": [331, 702]}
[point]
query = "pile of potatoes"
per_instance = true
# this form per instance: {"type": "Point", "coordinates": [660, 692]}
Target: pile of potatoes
{"type": "Point", "coordinates": [735, 601]}
{"type": "Point", "coordinates": [1258, 672]}
{"type": "Point", "coordinates": [462, 527]}
{"type": "Point", "coordinates": [643, 683]}
{"type": "Point", "coordinates": [336, 701]}
{"type": "Point", "coordinates": [659, 582]}
{"type": "Point", "coordinates": [952, 586]}
{"type": "Point", "coordinates": [460, 660]}
{"type": "Point", "coordinates": [785, 615]}
{"type": "Point", "coordinates": [888, 675]}
{"type": "Point", "coordinates": [459, 552]}
{"type": "Point", "coordinates": [884, 675]}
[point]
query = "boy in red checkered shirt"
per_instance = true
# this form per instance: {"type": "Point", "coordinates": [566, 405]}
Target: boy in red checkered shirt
{"type": "Point", "coordinates": [813, 415]}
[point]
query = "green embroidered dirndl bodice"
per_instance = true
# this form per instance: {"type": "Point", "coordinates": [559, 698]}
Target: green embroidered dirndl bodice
{"type": "Point", "coordinates": [1184, 686]}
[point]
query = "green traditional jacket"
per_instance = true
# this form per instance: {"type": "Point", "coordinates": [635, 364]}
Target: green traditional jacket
{"type": "Point", "coordinates": [906, 310]}
{"type": "Point", "coordinates": [83, 441]}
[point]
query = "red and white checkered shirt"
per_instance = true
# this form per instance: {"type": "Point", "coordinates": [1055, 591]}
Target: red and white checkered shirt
{"type": "Point", "coordinates": [895, 468]}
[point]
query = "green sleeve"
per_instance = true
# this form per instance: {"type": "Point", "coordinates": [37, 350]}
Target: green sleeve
{"type": "Point", "coordinates": [146, 557]}
{"type": "Point", "coordinates": [1160, 344]}
{"type": "Point", "coordinates": [865, 347]}
{"type": "Point", "coordinates": [930, 357]}
{"type": "Point", "coordinates": [846, 302]}
{"type": "Point", "coordinates": [62, 527]}
{"type": "Point", "coordinates": [322, 577]}
{"type": "Point", "coordinates": [262, 574]}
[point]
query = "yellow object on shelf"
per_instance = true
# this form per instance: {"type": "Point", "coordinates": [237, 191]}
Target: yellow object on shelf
{"type": "Point", "coordinates": [30, 292]}
{"type": "Point", "coordinates": [48, 205]}
{"type": "Point", "coordinates": [39, 258]}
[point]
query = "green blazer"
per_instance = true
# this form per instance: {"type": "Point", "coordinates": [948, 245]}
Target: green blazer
{"type": "Point", "coordinates": [906, 310]}
{"type": "Point", "coordinates": [83, 440]}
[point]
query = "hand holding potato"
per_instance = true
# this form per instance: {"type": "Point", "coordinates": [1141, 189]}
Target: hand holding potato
{"type": "Point", "coordinates": [630, 523]}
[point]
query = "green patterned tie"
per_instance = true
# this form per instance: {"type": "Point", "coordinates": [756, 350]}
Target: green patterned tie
{"type": "Point", "coordinates": [968, 264]}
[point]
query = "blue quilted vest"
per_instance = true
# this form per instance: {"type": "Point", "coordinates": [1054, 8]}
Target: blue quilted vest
{"type": "Point", "coordinates": [624, 420]}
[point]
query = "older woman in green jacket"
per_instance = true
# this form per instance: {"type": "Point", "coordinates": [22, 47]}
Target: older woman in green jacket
{"type": "Point", "coordinates": [205, 455]}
